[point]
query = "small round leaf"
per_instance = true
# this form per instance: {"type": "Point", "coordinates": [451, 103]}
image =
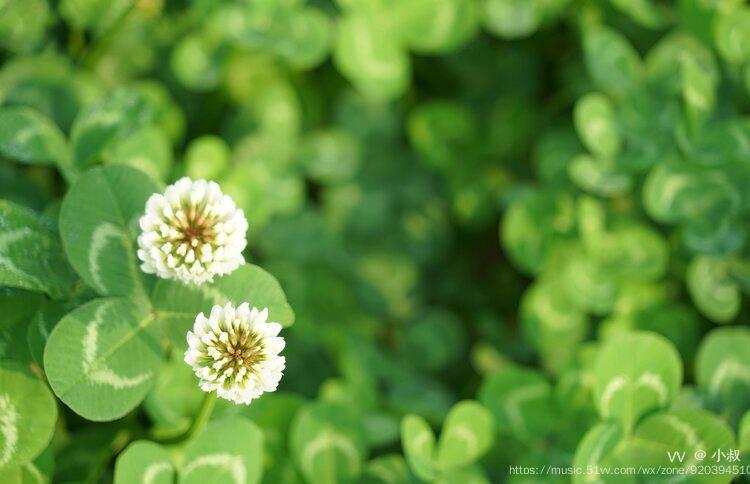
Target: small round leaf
{"type": "Point", "coordinates": [101, 359]}
{"type": "Point", "coordinates": [144, 462]}
{"type": "Point", "coordinates": [99, 223]}
{"type": "Point", "coordinates": [466, 436]}
{"type": "Point", "coordinates": [229, 450]}
{"type": "Point", "coordinates": [625, 388]}
{"type": "Point", "coordinates": [27, 415]}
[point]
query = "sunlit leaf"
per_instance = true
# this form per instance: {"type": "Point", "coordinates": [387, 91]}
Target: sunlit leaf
{"type": "Point", "coordinates": [99, 225]}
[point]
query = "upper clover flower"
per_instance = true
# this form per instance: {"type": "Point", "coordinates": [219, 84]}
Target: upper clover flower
{"type": "Point", "coordinates": [191, 232]}
{"type": "Point", "coordinates": [236, 352]}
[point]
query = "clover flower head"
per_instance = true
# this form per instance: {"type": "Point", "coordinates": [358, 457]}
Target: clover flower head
{"type": "Point", "coordinates": [191, 232]}
{"type": "Point", "coordinates": [236, 352]}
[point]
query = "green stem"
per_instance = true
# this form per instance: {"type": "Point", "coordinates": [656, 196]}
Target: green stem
{"type": "Point", "coordinates": [204, 413]}
{"type": "Point", "coordinates": [198, 424]}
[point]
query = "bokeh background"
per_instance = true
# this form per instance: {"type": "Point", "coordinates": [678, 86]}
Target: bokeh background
{"type": "Point", "coordinates": [462, 199]}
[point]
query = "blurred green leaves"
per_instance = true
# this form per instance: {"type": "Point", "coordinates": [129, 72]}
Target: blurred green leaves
{"type": "Point", "coordinates": [31, 255]}
{"type": "Point", "coordinates": [28, 136]}
{"type": "Point", "coordinates": [627, 389]}
{"type": "Point", "coordinates": [505, 232]}
{"type": "Point", "coordinates": [467, 434]}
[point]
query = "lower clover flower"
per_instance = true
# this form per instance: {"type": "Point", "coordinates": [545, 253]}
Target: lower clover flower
{"type": "Point", "coordinates": [191, 232]}
{"type": "Point", "coordinates": [236, 352]}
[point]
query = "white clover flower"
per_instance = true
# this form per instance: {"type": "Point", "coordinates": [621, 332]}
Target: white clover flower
{"type": "Point", "coordinates": [236, 352]}
{"type": "Point", "coordinates": [192, 232]}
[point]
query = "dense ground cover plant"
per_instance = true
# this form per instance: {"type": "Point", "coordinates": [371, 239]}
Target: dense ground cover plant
{"type": "Point", "coordinates": [364, 156]}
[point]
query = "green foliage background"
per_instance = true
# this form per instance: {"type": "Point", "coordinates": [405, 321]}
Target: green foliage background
{"type": "Point", "coordinates": [378, 149]}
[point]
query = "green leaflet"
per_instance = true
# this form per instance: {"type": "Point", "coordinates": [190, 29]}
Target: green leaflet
{"type": "Point", "coordinates": [688, 431]}
{"type": "Point", "coordinates": [99, 225]}
{"type": "Point", "coordinates": [274, 414]}
{"type": "Point", "coordinates": [723, 144]}
{"type": "Point", "coordinates": [418, 441]}
{"type": "Point", "coordinates": [679, 323]}
{"type": "Point", "coordinates": [467, 434]}
{"type": "Point", "coordinates": [698, 91]}
{"type": "Point", "coordinates": [371, 58]}
{"type": "Point", "coordinates": [632, 253]}
{"type": "Point", "coordinates": [229, 450]}
{"type": "Point", "coordinates": [664, 61]}
{"type": "Point", "coordinates": [195, 62]}
{"type": "Point", "coordinates": [30, 137]}
{"type": "Point", "coordinates": [512, 19]}
{"type": "Point", "coordinates": [679, 192]}
{"type": "Point", "coordinates": [533, 225]}
{"type": "Point", "coordinates": [627, 388]}
{"type": "Point", "coordinates": [590, 285]}
{"type": "Point", "coordinates": [144, 462]}
{"type": "Point", "coordinates": [330, 156]}
{"type": "Point", "coordinates": [111, 118]}
{"type": "Point", "coordinates": [327, 443]}
{"type": "Point", "coordinates": [732, 35]}
{"type": "Point", "coordinates": [311, 42]}
{"type": "Point", "coordinates": [438, 26]}
{"type": "Point", "coordinates": [177, 304]}
{"type": "Point", "coordinates": [599, 177]}
{"type": "Point", "coordinates": [23, 24]}
{"type": "Point", "coordinates": [41, 325]}
{"type": "Point", "coordinates": [31, 255]}
{"type": "Point", "coordinates": [722, 371]}
{"type": "Point", "coordinates": [521, 401]}
{"type": "Point", "coordinates": [102, 358]}
{"type": "Point", "coordinates": [553, 321]}
{"type": "Point", "coordinates": [39, 471]}
{"type": "Point", "coordinates": [148, 150]}
{"type": "Point", "coordinates": [444, 135]}
{"type": "Point", "coordinates": [206, 157]}
{"type": "Point", "coordinates": [610, 59]}
{"type": "Point", "coordinates": [712, 289]}
{"type": "Point", "coordinates": [657, 438]}
{"type": "Point", "coordinates": [594, 118]}
{"type": "Point", "coordinates": [27, 413]}
{"type": "Point", "coordinates": [298, 34]}
{"type": "Point", "coordinates": [642, 11]}
{"type": "Point", "coordinates": [595, 450]}
{"type": "Point", "coordinates": [263, 188]}
{"type": "Point", "coordinates": [388, 469]}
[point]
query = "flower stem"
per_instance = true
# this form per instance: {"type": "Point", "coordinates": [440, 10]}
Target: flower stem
{"type": "Point", "coordinates": [204, 413]}
{"type": "Point", "coordinates": [196, 427]}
